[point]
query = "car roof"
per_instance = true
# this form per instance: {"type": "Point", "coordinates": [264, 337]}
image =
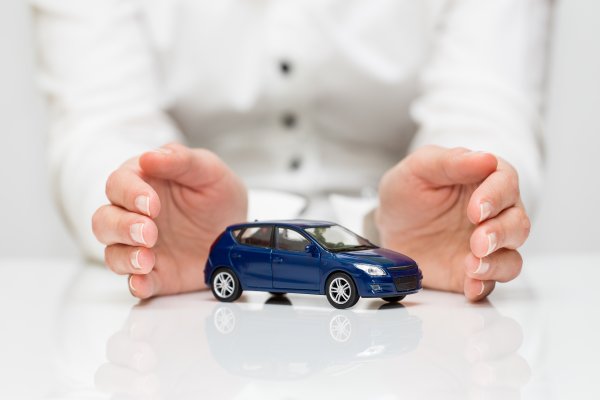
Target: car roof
{"type": "Point", "coordinates": [294, 223]}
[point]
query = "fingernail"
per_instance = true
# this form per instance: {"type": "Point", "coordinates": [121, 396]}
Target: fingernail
{"type": "Point", "coordinates": [483, 267]}
{"type": "Point", "coordinates": [134, 258]}
{"type": "Point", "coordinates": [137, 233]}
{"type": "Point", "coordinates": [131, 283]}
{"type": "Point", "coordinates": [492, 243]}
{"type": "Point", "coordinates": [485, 209]}
{"type": "Point", "coordinates": [162, 150]}
{"type": "Point", "coordinates": [142, 203]}
{"type": "Point", "coordinates": [482, 289]}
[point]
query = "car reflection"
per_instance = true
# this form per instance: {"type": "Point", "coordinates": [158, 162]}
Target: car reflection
{"type": "Point", "coordinates": [437, 347]}
{"type": "Point", "coordinates": [283, 342]}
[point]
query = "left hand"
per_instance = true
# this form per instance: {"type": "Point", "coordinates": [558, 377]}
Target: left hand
{"type": "Point", "coordinates": [459, 214]}
{"type": "Point", "coordinates": [166, 208]}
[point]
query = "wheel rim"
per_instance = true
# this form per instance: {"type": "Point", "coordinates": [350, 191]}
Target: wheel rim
{"type": "Point", "coordinates": [340, 290]}
{"type": "Point", "coordinates": [224, 284]}
{"type": "Point", "coordinates": [340, 328]}
{"type": "Point", "coordinates": [224, 320]}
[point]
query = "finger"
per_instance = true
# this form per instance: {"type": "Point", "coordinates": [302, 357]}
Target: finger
{"type": "Point", "coordinates": [115, 378]}
{"type": "Point", "coordinates": [126, 188]}
{"type": "Point", "coordinates": [123, 259]}
{"type": "Point", "coordinates": [496, 193]}
{"type": "Point", "coordinates": [145, 286]}
{"type": "Point", "coordinates": [502, 337]}
{"type": "Point", "coordinates": [476, 289]}
{"type": "Point", "coordinates": [137, 355]}
{"type": "Point", "coordinates": [502, 265]}
{"type": "Point", "coordinates": [189, 167]}
{"type": "Point", "coordinates": [510, 374]}
{"type": "Point", "coordinates": [508, 230]}
{"type": "Point", "coordinates": [444, 167]}
{"type": "Point", "coordinates": [142, 323]}
{"type": "Point", "coordinates": [112, 225]}
{"type": "Point", "coordinates": [163, 281]}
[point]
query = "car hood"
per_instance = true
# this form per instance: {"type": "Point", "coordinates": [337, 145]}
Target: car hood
{"type": "Point", "coordinates": [379, 256]}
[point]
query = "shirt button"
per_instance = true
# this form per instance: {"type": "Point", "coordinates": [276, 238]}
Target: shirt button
{"type": "Point", "coordinates": [289, 120]}
{"type": "Point", "coordinates": [285, 67]}
{"type": "Point", "coordinates": [295, 163]}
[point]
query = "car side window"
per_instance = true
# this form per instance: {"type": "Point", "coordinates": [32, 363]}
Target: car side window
{"type": "Point", "coordinates": [290, 240]}
{"type": "Point", "coordinates": [259, 236]}
{"type": "Point", "coordinates": [236, 233]}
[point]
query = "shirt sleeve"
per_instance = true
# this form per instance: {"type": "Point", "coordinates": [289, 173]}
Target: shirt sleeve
{"type": "Point", "coordinates": [99, 75]}
{"type": "Point", "coordinates": [482, 85]}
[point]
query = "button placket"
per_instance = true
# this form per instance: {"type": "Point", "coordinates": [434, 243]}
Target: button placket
{"type": "Point", "coordinates": [287, 49]}
{"type": "Point", "coordinates": [295, 163]}
{"type": "Point", "coordinates": [289, 118]}
{"type": "Point", "coordinates": [285, 67]}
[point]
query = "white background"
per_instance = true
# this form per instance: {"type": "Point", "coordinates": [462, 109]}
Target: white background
{"type": "Point", "coordinates": [567, 217]}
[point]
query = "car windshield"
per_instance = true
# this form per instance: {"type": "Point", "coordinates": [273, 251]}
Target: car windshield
{"type": "Point", "coordinates": [337, 238]}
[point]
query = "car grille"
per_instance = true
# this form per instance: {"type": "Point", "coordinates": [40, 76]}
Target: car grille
{"type": "Point", "coordinates": [403, 283]}
{"type": "Point", "coordinates": [401, 267]}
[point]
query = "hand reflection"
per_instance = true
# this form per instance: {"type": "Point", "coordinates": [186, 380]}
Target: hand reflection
{"type": "Point", "coordinates": [474, 349]}
{"type": "Point", "coordinates": [495, 364]}
{"type": "Point", "coordinates": [161, 353]}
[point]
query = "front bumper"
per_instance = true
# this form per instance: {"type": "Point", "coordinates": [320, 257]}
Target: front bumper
{"type": "Point", "coordinates": [386, 286]}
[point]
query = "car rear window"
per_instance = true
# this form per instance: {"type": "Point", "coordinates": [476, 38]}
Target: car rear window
{"type": "Point", "coordinates": [259, 236]}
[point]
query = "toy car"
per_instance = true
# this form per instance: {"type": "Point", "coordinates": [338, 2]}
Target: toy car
{"type": "Point", "coordinates": [303, 256]}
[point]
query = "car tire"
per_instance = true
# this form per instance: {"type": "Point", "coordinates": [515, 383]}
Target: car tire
{"type": "Point", "coordinates": [225, 285]}
{"type": "Point", "coordinates": [341, 290]}
{"type": "Point", "coordinates": [393, 299]}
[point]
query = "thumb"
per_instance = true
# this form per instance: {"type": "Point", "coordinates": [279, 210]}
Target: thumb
{"type": "Point", "coordinates": [193, 168]}
{"type": "Point", "coordinates": [445, 167]}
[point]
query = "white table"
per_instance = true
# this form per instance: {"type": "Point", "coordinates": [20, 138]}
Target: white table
{"type": "Point", "coordinates": [72, 331]}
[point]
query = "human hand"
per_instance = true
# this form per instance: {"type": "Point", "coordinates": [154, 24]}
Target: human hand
{"type": "Point", "coordinates": [458, 214]}
{"type": "Point", "coordinates": [167, 207]}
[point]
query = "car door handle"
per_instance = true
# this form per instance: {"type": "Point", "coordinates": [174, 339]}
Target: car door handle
{"type": "Point", "coordinates": [236, 255]}
{"type": "Point", "coordinates": [277, 259]}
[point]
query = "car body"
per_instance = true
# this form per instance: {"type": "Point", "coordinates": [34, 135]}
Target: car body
{"type": "Point", "coordinates": [305, 256]}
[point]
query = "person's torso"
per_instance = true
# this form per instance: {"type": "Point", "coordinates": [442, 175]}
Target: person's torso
{"type": "Point", "coordinates": [300, 95]}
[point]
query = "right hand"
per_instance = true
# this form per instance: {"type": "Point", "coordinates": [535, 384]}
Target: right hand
{"type": "Point", "coordinates": [167, 207]}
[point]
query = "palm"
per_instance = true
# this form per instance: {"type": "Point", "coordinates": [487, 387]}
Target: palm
{"type": "Point", "coordinates": [190, 219]}
{"type": "Point", "coordinates": [195, 207]}
{"type": "Point", "coordinates": [435, 231]}
{"type": "Point", "coordinates": [423, 211]}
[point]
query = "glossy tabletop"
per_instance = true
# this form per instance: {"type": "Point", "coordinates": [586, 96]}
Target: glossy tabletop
{"type": "Point", "coordinates": [72, 331]}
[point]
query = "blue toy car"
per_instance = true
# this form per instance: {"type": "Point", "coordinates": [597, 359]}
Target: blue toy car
{"type": "Point", "coordinates": [312, 257]}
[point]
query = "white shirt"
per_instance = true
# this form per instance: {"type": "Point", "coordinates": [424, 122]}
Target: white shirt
{"type": "Point", "coordinates": [311, 97]}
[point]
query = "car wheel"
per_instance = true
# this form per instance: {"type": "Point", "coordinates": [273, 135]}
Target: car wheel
{"type": "Point", "coordinates": [393, 299]}
{"type": "Point", "coordinates": [225, 285]}
{"type": "Point", "coordinates": [341, 290]}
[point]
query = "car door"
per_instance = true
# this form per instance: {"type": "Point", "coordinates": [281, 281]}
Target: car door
{"type": "Point", "coordinates": [252, 256]}
{"type": "Point", "coordinates": [293, 267]}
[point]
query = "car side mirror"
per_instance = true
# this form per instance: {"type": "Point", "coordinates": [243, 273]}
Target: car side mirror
{"type": "Point", "coordinates": [311, 249]}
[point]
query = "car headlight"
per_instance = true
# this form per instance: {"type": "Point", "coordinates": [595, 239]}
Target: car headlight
{"type": "Point", "coordinates": [371, 269]}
